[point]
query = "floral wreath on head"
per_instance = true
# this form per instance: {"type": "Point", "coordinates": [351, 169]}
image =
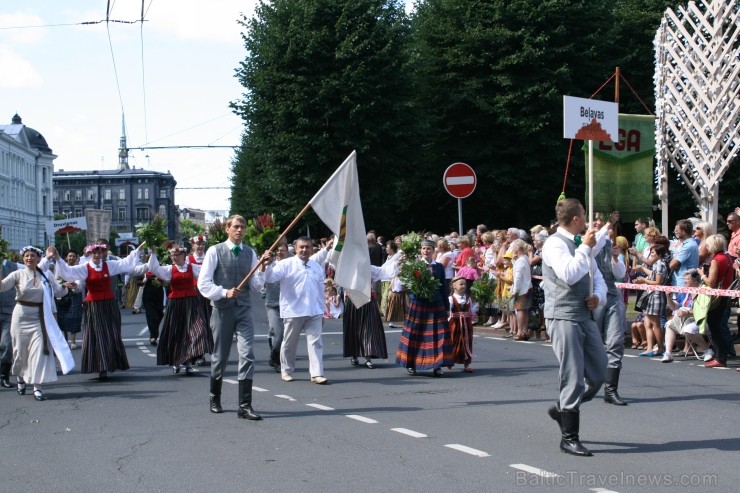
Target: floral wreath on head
{"type": "Point", "coordinates": [95, 246]}
{"type": "Point", "coordinates": [177, 249]}
{"type": "Point", "coordinates": [199, 239]}
{"type": "Point", "coordinates": [33, 249]}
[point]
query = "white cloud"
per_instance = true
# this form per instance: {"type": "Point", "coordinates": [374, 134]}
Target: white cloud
{"type": "Point", "coordinates": [22, 32]}
{"type": "Point", "coordinates": [16, 71]}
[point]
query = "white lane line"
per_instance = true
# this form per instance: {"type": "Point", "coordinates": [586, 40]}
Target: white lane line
{"type": "Point", "coordinates": [467, 450]}
{"type": "Point", "coordinates": [410, 433]}
{"type": "Point", "coordinates": [152, 355]}
{"type": "Point", "coordinates": [548, 345]}
{"type": "Point", "coordinates": [525, 342]}
{"type": "Point", "coordinates": [228, 380]}
{"type": "Point", "coordinates": [320, 407]}
{"type": "Point", "coordinates": [361, 418]}
{"type": "Point", "coordinates": [286, 397]}
{"type": "Point", "coordinates": [630, 356]}
{"type": "Point", "coordinates": [259, 389]}
{"type": "Point", "coordinates": [602, 490]}
{"type": "Point", "coordinates": [496, 338]}
{"type": "Point", "coordinates": [144, 350]}
{"type": "Point", "coordinates": [140, 343]}
{"type": "Point", "coordinates": [535, 470]}
{"type": "Point", "coordinates": [144, 330]}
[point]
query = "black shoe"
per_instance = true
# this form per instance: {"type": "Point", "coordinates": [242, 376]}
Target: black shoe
{"type": "Point", "coordinates": [175, 370]}
{"type": "Point", "coordinates": [5, 383]}
{"type": "Point", "coordinates": [200, 362]}
{"type": "Point", "coordinates": [438, 373]}
{"type": "Point", "coordinates": [411, 371]}
{"type": "Point", "coordinates": [611, 396]}
{"type": "Point", "coordinates": [570, 443]}
{"type": "Point", "coordinates": [245, 402]}
{"type": "Point", "coordinates": [216, 396]}
{"type": "Point", "coordinates": [103, 376]}
{"type": "Point", "coordinates": [190, 371]}
{"type": "Point", "coordinates": [369, 364]}
{"type": "Point", "coordinates": [21, 389]}
{"type": "Point", "coordinates": [38, 395]}
{"type": "Point", "coordinates": [554, 412]}
{"type": "Point", "coordinates": [354, 362]}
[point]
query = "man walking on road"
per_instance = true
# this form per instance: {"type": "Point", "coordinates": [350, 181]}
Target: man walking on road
{"type": "Point", "coordinates": [302, 304]}
{"type": "Point", "coordinates": [224, 267]}
{"type": "Point", "coordinates": [569, 303]}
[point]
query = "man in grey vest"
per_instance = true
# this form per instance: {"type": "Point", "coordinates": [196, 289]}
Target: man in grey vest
{"type": "Point", "coordinates": [224, 267]}
{"type": "Point", "coordinates": [7, 303]}
{"type": "Point", "coordinates": [569, 303]}
{"type": "Point", "coordinates": [609, 316]}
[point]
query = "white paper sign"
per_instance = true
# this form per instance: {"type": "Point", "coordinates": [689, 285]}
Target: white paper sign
{"type": "Point", "coordinates": [590, 119]}
{"type": "Point", "coordinates": [61, 226]}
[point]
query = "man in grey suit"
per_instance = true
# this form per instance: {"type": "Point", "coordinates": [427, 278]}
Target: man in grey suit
{"type": "Point", "coordinates": [569, 303]}
{"type": "Point", "coordinates": [224, 267]}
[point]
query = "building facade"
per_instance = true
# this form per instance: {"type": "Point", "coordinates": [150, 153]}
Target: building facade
{"type": "Point", "coordinates": [133, 196]}
{"type": "Point", "coordinates": [26, 185]}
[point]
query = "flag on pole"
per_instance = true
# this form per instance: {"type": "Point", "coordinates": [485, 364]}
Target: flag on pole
{"type": "Point", "coordinates": [338, 205]}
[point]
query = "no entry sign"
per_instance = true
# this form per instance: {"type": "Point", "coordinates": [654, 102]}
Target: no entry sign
{"type": "Point", "coordinates": [459, 180]}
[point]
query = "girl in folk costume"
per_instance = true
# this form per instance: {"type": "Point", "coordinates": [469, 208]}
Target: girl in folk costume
{"type": "Point", "coordinates": [102, 347]}
{"type": "Point", "coordinates": [35, 334]}
{"type": "Point", "coordinates": [199, 244]}
{"type": "Point", "coordinates": [461, 324]}
{"type": "Point", "coordinates": [363, 327]}
{"type": "Point", "coordinates": [334, 306]}
{"type": "Point", "coordinates": [185, 332]}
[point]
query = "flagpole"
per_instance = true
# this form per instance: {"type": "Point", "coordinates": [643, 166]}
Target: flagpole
{"type": "Point", "coordinates": [591, 209]}
{"type": "Point", "coordinates": [275, 245]}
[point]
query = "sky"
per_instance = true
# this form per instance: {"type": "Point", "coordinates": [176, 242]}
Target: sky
{"type": "Point", "coordinates": [173, 80]}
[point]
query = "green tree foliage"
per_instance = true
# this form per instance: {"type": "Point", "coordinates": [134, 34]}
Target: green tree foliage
{"type": "Point", "coordinates": [323, 78]}
{"type": "Point", "coordinates": [188, 229]}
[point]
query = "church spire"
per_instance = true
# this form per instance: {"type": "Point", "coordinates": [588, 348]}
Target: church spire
{"type": "Point", "coordinates": [123, 149]}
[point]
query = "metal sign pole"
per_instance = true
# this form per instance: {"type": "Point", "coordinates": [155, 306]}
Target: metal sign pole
{"type": "Point", "coordinates": [459, 216]}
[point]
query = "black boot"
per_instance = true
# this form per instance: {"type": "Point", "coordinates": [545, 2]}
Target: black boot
{"type": "Point", "coordinates": [245, 401]}
{"type": "Point", "coordinates": [569, 426]}
{"type": "Point", "coordinates": [275, 359]}
{"type": "Point", "coordinates": [5, 376]}
{"type": "Point", "coordinates": [589, 393]}
{"type": "Point", "coordinates": [610, 387]}
{"type": "Point", "coordinates": [554, 412]}
{"type": "Point", "coordinates": [216, 395]}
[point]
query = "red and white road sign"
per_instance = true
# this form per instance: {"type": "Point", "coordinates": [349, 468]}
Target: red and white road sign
{"type": "Point", "coordinates": [460, 180]}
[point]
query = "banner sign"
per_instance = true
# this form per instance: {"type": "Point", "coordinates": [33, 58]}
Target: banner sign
{"type": "Point", "coordinates": [62, 226]}
{"type": "Point", "coordinates": [98, 224]}
{"type": "Point", "coordinates": [623, 169]}
{"type": "Point", "coordinates": [589, 119]}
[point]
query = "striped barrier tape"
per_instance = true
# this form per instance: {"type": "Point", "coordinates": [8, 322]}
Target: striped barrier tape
{"type": "Point", "coordinates": [674, 289]}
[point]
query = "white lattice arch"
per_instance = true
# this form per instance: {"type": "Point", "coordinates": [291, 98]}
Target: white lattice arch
{"type": "Point", "coordinates": [697, 97]}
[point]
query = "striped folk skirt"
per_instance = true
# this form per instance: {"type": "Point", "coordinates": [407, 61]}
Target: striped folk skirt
{"type": "Point", "coordinates": [461, 330]}
{"type": "Point", "coordinates": [185, 332]}
{"type": "Point", "coordinates": [395, 309]}
{"type": "Point", "coordinates": [363, 330]}
{"type": "Point", "coordinates": [425, 339]}
{"type": "Point", "coordinates": [102, 346]}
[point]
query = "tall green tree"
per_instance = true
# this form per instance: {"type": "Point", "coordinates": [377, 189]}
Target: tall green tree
{"type": "Point", "coordinates": [323, 78]}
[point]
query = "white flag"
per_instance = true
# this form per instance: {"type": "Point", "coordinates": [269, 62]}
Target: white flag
{"type": "Point", "coordinates": [338, 205]}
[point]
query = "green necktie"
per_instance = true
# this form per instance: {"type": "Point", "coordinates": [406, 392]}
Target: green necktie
{"type": "Point", "coordinates": [577, 239]}
{"type": "Point", "coordinates": [235, 250]}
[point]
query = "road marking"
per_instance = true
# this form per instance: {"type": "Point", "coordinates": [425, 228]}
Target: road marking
{"type": "Point", "coordinates": [602, 490]}
{"type": "Point", "coordinates": [410, 433]}
{"type": "Point", "coordinates": [259, 389]}
{"type": "Point", "coordinates": [467, 450]}
{"type": "Point", "coordinates": [496, 338]}
{"type": "Point", "coordinates": [151, 355]}
{"type": "Point", "coordinates": [144, 350]}
{"type": "Point", "coordinates": [525, 342]}
{"type": "Point", "coordinates": [630, 356]}
{"type": "Point", "coordinates": [548, 345]}
{"type": "Point", "coordinates": [286, 397]}
{"type": "Point", "coordinates": [140, 343]}
{"type": "Point", "coordinates": [321, 407]}
{"type": "Point", "coordinates": [535, 470]}
{"type": "Point", "coordinates": [361, 418]}
{"type": "Point", "coordinates": [228, 380]}
{"type": "Point", "coordinates": [144, 330]}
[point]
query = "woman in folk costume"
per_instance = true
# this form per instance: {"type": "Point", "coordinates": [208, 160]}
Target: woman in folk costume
{"type": "Point", "coordinates": [34, 331]}
{"type": "Point", "coordinates": [185, 333]}
{"type": "Point", "coordinates": [425, 339]}
{"type": "Point", "coordinates": [102, 346]}
{"type": "Point", "coordinates": [461, 324]}
{"type": "Point", "coordinates": [363, 326]}
{"type": "Point", "coordinates": [199, 244]}
{"type": "Point", "coordinates": [395, 308]}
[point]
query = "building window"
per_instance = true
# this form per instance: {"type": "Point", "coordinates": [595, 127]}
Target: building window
{"type": "Point", "coordinates": [106, 195]}
{"type": "Point", "coordinates": [146, 194]}
{"type": "Point", "coordinates": [138, 193]}
{"type": "Point", "coordinates": [163, 194]}
{"type": "Point", "coordinates": [78, 213]}
{"type": "Point", "coordinates": [67, 213]}
{"type": "Point", "coordinates": [66, 195]}
{"type": "Point", "coordinates": [122, 194]}
{"type": "Point", "coordinates": [56, 196]}
{"type": "Point", "coordinates": [142, 214]}
{"type": "Point", "coordinates": [91, 193]}
{"type": "Point", "coordinates": [78, 195]}
{"type": "Point", "coordinates": [163, 211]}
{"type": "Point", "coordinates": [121, 213]}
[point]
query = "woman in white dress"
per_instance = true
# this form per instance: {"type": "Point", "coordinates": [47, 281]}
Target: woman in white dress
{"type": "Point", "coordinates": [34, 331]}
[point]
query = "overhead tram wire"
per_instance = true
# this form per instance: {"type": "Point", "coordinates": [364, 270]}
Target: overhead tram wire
{"type": "Point", "coordinates": [113, 58]}
{"type": "Point", "coordinates": [143, 75]}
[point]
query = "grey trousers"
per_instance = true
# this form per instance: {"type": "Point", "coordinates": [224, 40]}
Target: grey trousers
{"type": "Point", "coordinates": [225, 322]}
{"type": "Point", "coordinates": [582, 357]}
{"type": "Point", "coordinates": [610, 322]}
{"type": "Point", "coordinates": [6, 342]}
{"type": "Point", "coordinates": [276, 325]}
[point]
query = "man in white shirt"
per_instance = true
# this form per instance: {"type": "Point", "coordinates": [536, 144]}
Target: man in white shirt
{"type": "Point", "coordinates": [302, 304]}
{"type": "Point", "coordinates": [224, 267]}
{"type": "Point", "coordinates": [569, 303]}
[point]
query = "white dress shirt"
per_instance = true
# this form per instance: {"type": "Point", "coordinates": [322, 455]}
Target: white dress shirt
{"type": "Point", "coordinates": [165, 272]}
{"type": "Point", "coordinates": [215, 292]}
{"type": "Point", "coordinates": [115, 267]}
{"type": "Point", "coordinates": [301, 285]}
{"type": "Point", "coordinates": [571, 268]}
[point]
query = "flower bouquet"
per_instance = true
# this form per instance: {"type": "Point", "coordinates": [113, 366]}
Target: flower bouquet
{"type": "Point", "coordinates": [483, 290]}
{"type": "Point", "coordinates": [262, 232]}
{"type": "Point", "coordinates": [411, 244]}
{"type": "Point", "coordinates": [416, 277]}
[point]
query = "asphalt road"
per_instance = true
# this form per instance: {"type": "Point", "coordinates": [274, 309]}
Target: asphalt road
{"type": "Point", "coordinates": [371, 430]}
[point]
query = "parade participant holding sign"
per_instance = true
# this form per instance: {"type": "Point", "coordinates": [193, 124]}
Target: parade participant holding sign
{"type": "Point", "coordinates": [102, 346]}
{"type": "Point", "coordinates": [35, 333]}
{"type": "Point", "coordinates": [224, 267]}
{"type": "Point", "coordinates": [569, 303]}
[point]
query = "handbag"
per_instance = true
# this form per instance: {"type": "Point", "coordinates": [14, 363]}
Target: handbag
{"type": "Point", "coordinates": [642, 302]}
